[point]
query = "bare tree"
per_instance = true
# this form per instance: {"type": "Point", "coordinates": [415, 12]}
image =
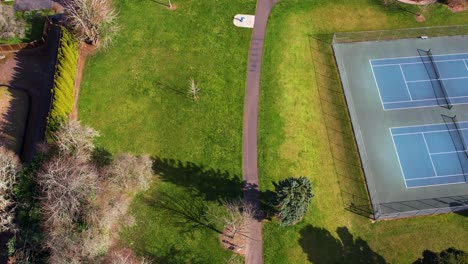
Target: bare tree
{"type": "Point", "coordinates": [131, 172]}
{"type": "Point", "coordinates": [193, 90]}
{"type": "Point", "coordinates": [92, 21]}
{"type": "Point", "coordinates": [76, 140]}
{"type": "Point", "coordinates": [10, 26]}
{"type": "Point", "coordinates": [66, 184]}
{"type": "Point", "coordinates": [239, 216]}
{"type": "Point", "coordinates": [9, 168]}
{"type": "Point", "coordinates": [83, 207]}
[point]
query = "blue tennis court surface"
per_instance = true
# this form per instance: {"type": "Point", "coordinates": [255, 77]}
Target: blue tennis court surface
{"type": "Point", "coordinates": [406, 82]}
{"type": "Point", "coordinates": [432, 154]}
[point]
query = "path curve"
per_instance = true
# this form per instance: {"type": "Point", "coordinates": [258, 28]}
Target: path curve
{"type": "Point", "coordinates": [254, 250]}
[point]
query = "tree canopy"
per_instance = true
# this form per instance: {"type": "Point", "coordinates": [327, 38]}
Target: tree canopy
{"type": "Point", "coordinates": [293, 196]}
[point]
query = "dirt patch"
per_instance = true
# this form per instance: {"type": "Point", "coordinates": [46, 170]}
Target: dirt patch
{"type": "Point", "coordinates": [420, 18]}
{"type": "Point", "coordinates": [458, 5]}
{"type": "Point", "coordinates": [236, 244]}
{"type": "Point", "coordinates": [7, 68]}
{"type": "Point", "coordinates": [84, 50]}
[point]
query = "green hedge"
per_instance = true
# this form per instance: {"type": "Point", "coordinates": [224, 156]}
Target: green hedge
{"type": "Point", "coordinates": [64, 82]}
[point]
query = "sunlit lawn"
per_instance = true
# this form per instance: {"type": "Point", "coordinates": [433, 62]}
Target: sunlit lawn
{"type": "Point", "coordinates": [136, 95]}
{"type": "Point", "coordinates": [294, 140]}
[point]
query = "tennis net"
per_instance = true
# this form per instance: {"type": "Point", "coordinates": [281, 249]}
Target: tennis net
{"type": "Point", "coordinates": [459, 141]}
{"type": "Point", "coordinates": [437, 84]}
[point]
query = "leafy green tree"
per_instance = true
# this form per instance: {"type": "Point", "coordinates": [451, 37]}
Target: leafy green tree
{"type": "Point", "coordinates": [448, 256]}
{"type": "Point", "coordinates": [293, 196]}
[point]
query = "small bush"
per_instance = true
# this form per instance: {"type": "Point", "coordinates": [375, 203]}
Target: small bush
{"type": "Point", "coordinates": [9, 168]}
{"type": "Point", "coordinates": [63, 92]}
{"type": "Point", "coordinates": [128, 171]}
{"type": "Point", "coordinates": [10, 26]}
{"type": "Point", "coordinates": [293, 197]}
{"type": "Point", "coordinates": [75, 140]}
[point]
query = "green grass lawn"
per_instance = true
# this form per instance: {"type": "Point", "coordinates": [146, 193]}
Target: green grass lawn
{"type": "Point", "coordinates": [304, 130]}
{"type": "Point", "coordinates": [136, 95]}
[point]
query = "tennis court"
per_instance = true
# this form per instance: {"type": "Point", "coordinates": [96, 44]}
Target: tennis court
{"type": "Point", "coordinates": [408, 104]}
{"type": "Point", "coordinates": [432, 155]}
{"type": "Point", "coordinates": [415, 82]}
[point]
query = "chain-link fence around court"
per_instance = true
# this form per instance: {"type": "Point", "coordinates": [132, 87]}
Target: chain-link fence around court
{"type": "Point", "coordinates": [405, 33]}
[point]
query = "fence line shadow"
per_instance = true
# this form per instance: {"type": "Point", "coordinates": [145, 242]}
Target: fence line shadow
{"type": "Point", "coordinates": [338, 127]}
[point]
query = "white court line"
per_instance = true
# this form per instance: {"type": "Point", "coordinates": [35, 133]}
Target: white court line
{"type": "Point", "coordinates": [448, 152]}
{"type": "Point", "coordinates": [401, 167]}
{"type": "Point", "coordinates": [434, 99]}
{"type": "Point", "coordinates": [421, 106]}
{"type": "Point", "coordinates": [377, 84]}
{"type": "Point", "coordinates": [428, 152]}
{"type": "Point", "coordinates": [428, 125]}
{"type": "Point", "coordinates": [406, 84]}
{"type": "Point", "coordinates": [464, 61]}
{"type": "Point", "coordinates": [398, 157]}
{"type": "Point", "coordinates": [418, 62]}
{"type": "Point", "coordinates": [432, 185]}
{"type": "Point", "coordinates": [440, 55]}
{"type": "Point", "coordinates": [438, 177]}
{"type": "Point", "coordinates": [440, 79]}
{"type": "Point", "coordinates": [426, 132]}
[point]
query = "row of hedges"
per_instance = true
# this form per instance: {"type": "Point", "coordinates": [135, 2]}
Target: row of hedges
{"type": "Point", "coordinates": [64, 82]}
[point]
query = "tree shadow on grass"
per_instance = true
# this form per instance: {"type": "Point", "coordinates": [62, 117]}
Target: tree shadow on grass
{"type": "Point", "coordinates": [161, 3]}
{"type": "Point", "coordinates": [214, 185]}
{"type": "Point", "coordinates": [210, 184]}
{"type": "Point", "coordinates": [339, 134]}
{"type": "Point", "coordinates": [450, 255]}
{"type": "Point", "coordinates": [171, 255]}
{"type": "Point", "coordinates": [322, 247]}
{"type": "Point", "coordinates": [184, 211]}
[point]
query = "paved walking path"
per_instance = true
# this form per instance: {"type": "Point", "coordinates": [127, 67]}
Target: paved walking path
{"type": "Point", "coordinates": [254, 250]}
{"type": "Point", "coordinates": [33, 70]}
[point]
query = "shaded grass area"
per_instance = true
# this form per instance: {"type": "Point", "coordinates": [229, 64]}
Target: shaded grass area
{"type": "Point", "coordinates": [304, 129]}
{"type": "Point", "coordinates": [136, 94]}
